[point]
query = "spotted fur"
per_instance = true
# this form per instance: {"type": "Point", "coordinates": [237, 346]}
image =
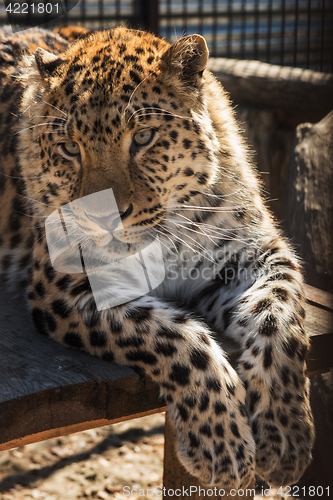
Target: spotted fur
{"type": "Point", "coordinates": [229, 271]}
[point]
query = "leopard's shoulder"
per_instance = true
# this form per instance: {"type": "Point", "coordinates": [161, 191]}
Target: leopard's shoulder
{"type": "Point", "coordinates": [13, 48]}
{"type": "Point", "coordinates": [14, 45]}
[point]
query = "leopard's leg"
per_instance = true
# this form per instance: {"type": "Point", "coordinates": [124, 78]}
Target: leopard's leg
{"type": "Point", "coordinates": [267, 320]}
{"type": "Point", "coordinates": [205, 396]}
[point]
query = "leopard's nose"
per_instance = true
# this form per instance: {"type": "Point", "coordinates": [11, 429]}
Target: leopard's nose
{"type": "Point", "coordinates": [111, 221]}
{"type": "Point", "coordinates": [126, 213]}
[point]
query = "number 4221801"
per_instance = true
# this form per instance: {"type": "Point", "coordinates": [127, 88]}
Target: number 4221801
{"type": "Point", "coordinates": [32, 8]}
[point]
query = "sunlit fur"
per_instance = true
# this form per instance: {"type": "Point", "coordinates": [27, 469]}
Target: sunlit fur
{"type": "Point", "coordinates": [229, 271]}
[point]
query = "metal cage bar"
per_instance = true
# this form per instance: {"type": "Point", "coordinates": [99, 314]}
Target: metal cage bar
{"type": "Point", "coordinates": [286, 32]}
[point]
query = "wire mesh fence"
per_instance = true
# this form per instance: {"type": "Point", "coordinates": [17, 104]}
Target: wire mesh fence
{"type": "Point", "coordinates": [286, 32]}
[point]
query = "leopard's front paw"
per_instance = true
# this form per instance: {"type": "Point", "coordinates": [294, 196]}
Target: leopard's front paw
{"type": "Point", "coordinates": [213, 438]}
{"type": "Point", "coordinates": [283, 444]}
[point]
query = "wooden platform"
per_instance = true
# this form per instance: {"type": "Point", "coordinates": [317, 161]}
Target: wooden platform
{"type": "Point", "coordinates": [47, 390]}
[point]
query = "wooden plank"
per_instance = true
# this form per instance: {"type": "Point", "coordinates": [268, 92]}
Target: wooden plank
{"type": "Point", "coordinates": [32, 363]}
{"type": "Point", "coordinates": [309, 94]}
{"type": "Point", "coordinates": [319, 298]}
{"type": "Point", "coordinates": [71, 429]}
{"type": "Point", "coordinates": [47, 389]}
{"type": "Point", "coordinates": [73, 408]}
{"type": "Point", "coordinates": [319, 324]}
{"type": "Point", "coordinates": [318, 321]}
{"type": "Point", "coordinates": [320, 359]}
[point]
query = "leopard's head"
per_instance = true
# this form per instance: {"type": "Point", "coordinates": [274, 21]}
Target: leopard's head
{"type": "Point", "coordinates": [121, 110]}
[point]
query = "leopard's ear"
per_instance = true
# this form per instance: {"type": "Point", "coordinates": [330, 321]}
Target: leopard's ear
{"type": "Point", "coordinates": [47, 63]}
{"type": "Point", "coordinates": [187, 57]}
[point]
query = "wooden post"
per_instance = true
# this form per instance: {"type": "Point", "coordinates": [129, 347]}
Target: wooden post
{"type": "Point", "coordinates": [175, 477]}
{"type": "Point", "coordinates": [147, 15]}
{"type": "Point", "coordinates": [301, 95]}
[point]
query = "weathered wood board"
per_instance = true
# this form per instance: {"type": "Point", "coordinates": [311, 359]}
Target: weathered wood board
{"type": "Point", "coordinates": [301, 94]}
{"type": "Point", "coordinates": [48, 390]}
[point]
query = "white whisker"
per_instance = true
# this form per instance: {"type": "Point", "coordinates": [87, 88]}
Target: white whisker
{"type": "Point", "coordinates": [37, 125]}
{"type": "Point", "coordinates": [21, 177]}
{"type": "Point", "coordinates": [197, 244]}
{"type": "Point", "coordinates": [158, 111]}
{"type": "Point", "coordinates": [40, 189]}
{"type": "Point", "coordinates": [36, 201]}
{"type": "Point", "coordinates": [55, 107]}
{"type": "Point", "coordinates": [50, 116]}
{"type": "Point", "coordinates": [202, 232]}
{"type": "Point", "coordinates": [132, 94]}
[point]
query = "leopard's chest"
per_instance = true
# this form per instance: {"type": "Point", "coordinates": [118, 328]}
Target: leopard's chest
{"type": "Point", "coordinates": [191, 275]}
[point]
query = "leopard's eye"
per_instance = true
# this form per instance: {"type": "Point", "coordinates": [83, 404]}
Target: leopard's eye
{"type": "Point", "coordinates": [143, 137]}
{"type": "Point", "coordinates": [71, 148]}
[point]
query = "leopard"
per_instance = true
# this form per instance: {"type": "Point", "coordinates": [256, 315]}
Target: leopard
{"type": "Point", "coordinates": [125, 110]}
